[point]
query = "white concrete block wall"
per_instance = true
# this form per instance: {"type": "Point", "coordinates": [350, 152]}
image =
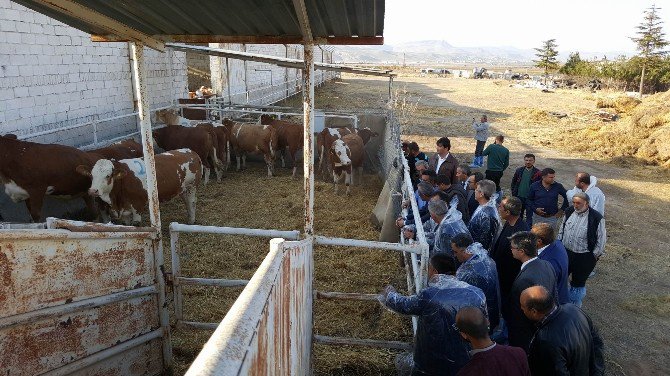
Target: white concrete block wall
{"type": "Point", "coordinates": [52, 76]}
{"type": "Point", "coordinates": [261, 83]}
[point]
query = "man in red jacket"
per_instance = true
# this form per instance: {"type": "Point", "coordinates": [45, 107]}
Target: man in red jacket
{"type": "Point", "coordinates": [486, 357]}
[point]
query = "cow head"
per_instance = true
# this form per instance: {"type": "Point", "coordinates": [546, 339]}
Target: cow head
{"type": "Point", "coordinates": [267, 119]}
{"type": "Point", "coordinates": [340, 154]}
{"type": "Point", "coordinates": [366, 134]}
{"type": "Point", "coordinates": [168, 116]}
{"type": "Point", "coordinates": [102, 177]}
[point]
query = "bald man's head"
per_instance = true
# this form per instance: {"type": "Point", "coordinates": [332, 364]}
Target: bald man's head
{"type": "Point", "coordinates": [536, 302]}
{"type": "Point", "coordinates": [472, 322]}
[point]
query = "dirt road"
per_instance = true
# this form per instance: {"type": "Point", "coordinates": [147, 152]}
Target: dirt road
{"type": "Point", "coordinates": [629, 297]}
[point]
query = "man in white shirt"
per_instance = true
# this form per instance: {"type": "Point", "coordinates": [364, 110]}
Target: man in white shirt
{"type": "Point", "coordinates": [587, 183]}
{"type": "Point", "coordinates": [534, 271]}
{"type": "Point", "coordinates": [442, 162]}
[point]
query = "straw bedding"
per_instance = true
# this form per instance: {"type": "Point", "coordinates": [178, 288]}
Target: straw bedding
{"type": "Point", "coordinates": [249, 199]}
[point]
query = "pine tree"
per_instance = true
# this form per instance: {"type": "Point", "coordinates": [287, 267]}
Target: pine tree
{"type": "Point", "coordinates": [650, 40]}
{"type": "Point", "coordinates": [570, 66]}
{"type": "Point", "coordinates": [547, 57]}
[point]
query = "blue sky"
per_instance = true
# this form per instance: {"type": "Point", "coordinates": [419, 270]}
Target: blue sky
{"type": "Point", "coordinates": [577, 25]}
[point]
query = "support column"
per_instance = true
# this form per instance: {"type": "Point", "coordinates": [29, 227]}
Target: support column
{"type": "Point", "coordinates": [139, 74]}
{"type": "Point", "coordinates": [308, 149]}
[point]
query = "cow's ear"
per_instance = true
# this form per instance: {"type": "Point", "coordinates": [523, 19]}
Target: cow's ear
{"type": "Point", "coordinates": [84, 170]}
{"type": "Point", "coordinates": [118, 174]}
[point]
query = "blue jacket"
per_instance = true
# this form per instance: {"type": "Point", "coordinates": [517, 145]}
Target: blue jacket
{"type": "Point", "coordinates": [540, 197]}
{"type": "Point", "coordinates": [480, 271]}
{"type": "Point", "coordinates": [557, 256]}
{"type": "Point", "coordinates": [439, 349]}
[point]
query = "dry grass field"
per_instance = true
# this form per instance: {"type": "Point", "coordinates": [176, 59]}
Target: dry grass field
{"type": "Point", "coordinates": [628, 298]}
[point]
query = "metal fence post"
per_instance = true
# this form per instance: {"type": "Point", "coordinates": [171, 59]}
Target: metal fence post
{"type": "Point", "coordinates": [139, 71]}
{"type": "Point", "coordinates": [176, 274]}
{"type": "Point", "coordinates": [95, 133]}
{"type": "Point", "coordinates": [308, 154]}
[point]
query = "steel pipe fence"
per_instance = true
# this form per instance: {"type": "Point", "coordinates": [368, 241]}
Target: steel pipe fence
{"type": "Point", "coordinates": [178, 281]}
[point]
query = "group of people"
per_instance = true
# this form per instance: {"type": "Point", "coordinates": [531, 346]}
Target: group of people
{"type": "Point", "coordinates": [507, 276]}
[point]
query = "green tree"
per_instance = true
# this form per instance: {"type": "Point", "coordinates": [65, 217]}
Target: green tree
{"type": "Point", "coordinates": [650, 41]}
{"type": "Point", "coordinates": [570, 66]}
{"type": "Point", "coordinates": [547, 57]}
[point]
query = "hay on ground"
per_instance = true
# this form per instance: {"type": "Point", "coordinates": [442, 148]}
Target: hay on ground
{"type": "Point", "coordinates": [249, 199]}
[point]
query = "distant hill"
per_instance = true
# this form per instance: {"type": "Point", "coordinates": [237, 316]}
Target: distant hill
{"type": "Point", "coordinates": [439, 51]}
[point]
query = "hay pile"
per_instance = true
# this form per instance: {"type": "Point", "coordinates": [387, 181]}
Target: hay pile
{"type": "Point", "coordinates": [530, 115]}
{"type": "Point", "coordinates": [248, 199]}
{"type": "Point", "coordinates": [621, 104]}
{"type": "Point", "coordinates": [643, 137]}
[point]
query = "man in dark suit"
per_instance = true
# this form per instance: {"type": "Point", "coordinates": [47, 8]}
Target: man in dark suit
{"type": "Point", "coordinates": [508, 267]}
{"type": "Point", "coordinates": [566, 341]}
{"type": "Point", "coordinates": [553, 251]}
{"type": "Point", "coordinates": [533, 272]}
{"type": "Point", "coordinates": [442, 162]}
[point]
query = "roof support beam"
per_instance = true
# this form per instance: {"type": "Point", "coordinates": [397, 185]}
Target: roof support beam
{"type": "Point", "coordinates": [247, 39]}
{"type": "Point", "coordinates": [279, 61]}
{"type": "Point", "coordinates": [303, 20]}
{"type": "Point", "coordinates": [78, 11]}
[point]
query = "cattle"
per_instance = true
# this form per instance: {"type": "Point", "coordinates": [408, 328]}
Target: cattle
{"type": "Point", "coordinates": [217, 131]}
{"type": "Point", "coordinates": [120, 150]}
{"type": "Point", "coordinates": [29, 171]}
{"type": "Point", "coordinates": [290, 137]}
{"type": "Point", "coordinates": [197, 139]}
{"type": "Point", "coordinates": [122, 185]}
{"type": "Point", "coordinates": [253, 138]}
{"type": "Point", "coordinates": [366, 134]}
{"type": "Point", "coordinates": [324, 140]}
{"type": "Point", "coordinates": [346, 154]}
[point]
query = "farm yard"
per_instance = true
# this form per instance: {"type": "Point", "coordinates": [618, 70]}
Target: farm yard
{"type": "Point", "coordinates": [629, 297]}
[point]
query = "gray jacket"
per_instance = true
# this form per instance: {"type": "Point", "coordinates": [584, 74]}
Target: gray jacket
{"type": "Point", "coordinates": [482, 131]}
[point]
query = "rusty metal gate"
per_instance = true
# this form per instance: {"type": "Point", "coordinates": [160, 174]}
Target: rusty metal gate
{"type": "Point", "coordinates": [80, 298]}
{"type": "Point", "coordinates": [268, 331]}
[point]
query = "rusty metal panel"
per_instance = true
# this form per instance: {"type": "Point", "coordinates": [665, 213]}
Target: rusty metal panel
{"type": "Point", "coordinates": [40, 346]}
{"type": "Point", "coordinates": [43, 272]}
{"type": "Point", "coordinates": [74, 301]}
{"type": "Point", "coordinates": [141, 360]}
{"type": "Point", "coordinates": [268, 330]}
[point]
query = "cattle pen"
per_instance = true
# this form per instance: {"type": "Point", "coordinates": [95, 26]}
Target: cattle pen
{"type": "Point", "coordinates": [83, 298]}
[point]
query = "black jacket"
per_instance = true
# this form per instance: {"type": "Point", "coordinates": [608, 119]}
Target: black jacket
{"type": "Point", "coordinates": [566, 343]}
{"type": "Point", "coordinates": [537, 272]}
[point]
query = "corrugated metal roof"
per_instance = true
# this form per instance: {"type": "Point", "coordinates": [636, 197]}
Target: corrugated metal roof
{"type": "Point", "coordinates": [215, 21]}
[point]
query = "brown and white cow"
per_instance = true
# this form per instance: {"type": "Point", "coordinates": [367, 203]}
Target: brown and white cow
{"type": "Point", "coordinates": [120, 150]}
{"type": "Point", "coordinates": [346, 154]}
{"type": "Point", "coordinates": [29, 171]}
{"type": "Point", "coordinates": [220, 160]}
{"type": "Point", "coordinates": [123, 185]}
{"type": "Point", "coordinates": [290, 138]}
{"type": "Point", "coordinates": [197, 139]}
{"type": "Point", "coordinates": [253, 138]}
{"type": "Point", "coordinates": [326, 138]}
